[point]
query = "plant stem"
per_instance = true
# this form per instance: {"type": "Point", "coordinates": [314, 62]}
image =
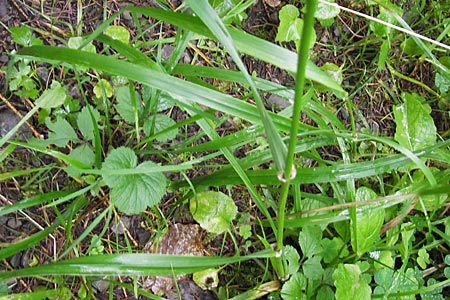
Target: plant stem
{"type": "Point", "coordinates": [308, 26]}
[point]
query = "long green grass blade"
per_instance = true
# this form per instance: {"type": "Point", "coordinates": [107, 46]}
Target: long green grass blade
{"type": "Point", "coordinates": [132, 265]}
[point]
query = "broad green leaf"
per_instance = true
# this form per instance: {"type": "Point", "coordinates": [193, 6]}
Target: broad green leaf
{"type": "Point", "coordinates": [333, 71]}
{"type": "Point", "coordinates": [312, 268]}
{"type": "Point", "coordinates": [118, 33]}
{"type": "Point", "coordinates": [325, 13]}
{"type": "Point", "coordinates": [290, 28]}
{"type": "Point", "coordinates": [294, 288]}
{"type": "Point", "coordinates": [84, 122]}
{"type": "Point", "coordinates": [333, 248]}
{"type": "Point", "coordinates": [423, 258]}
{"type": "Point", "coordinates": [207, 279]}
{"type": "Point", "coordinates": [442, 81]}
{"type": "Point", "coordinates": [309, 240]}
{"type": "Point", "coordinates": [77, 41]}
{"type": "Point", "coordinates": [368, 223]}
{"type": "Point", "coordinates": [349, 284]}
{"type": "Point", "coordinates": [83, 154]}
{"type": "Point", "coordinates": [410, 47]}
{"type": "Point", "coordinates": [292, 258]}
{"type": "Point", "coordinates": [132, 193]}
{"type": "Point", "coordinates": [214, 211]}
{"type": "Point", "coordinates": [390, 282]}
{"type": "Point", "coordinates": [124, 103]}
{"type": "Point", "coordinates": [158, 123]}
{"type": "Point", "coordinates": [103, 87]}
{"type": "Point", "coordinates": [23, 36]}
{"type": "Point", "coordinates": [325, 293]}
{"type": "Point", "coordinates": [52, 97]}
{"type": "Point", "coordinates": [415, 127]}
{"type": "Point", "coordinates": [61, 132]}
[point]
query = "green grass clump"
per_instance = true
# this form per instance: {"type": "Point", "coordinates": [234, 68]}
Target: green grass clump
{"type": "Point", "coordinates": [341, 192]}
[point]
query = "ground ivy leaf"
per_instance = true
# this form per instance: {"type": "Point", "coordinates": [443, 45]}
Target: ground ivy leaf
{"type": "Point", "coordinates": [292, 258]}
{"type": "Point", "coordinates": [214, 211]}
{"type": "Point", "coordinates": [52, 97]}
{"type": "Point", "coordinates": [76, 41]}
{"type": "Point", "coordinates": [309, 240]}
{"type": "Point", "coordinates": [160, 122]}
{"type": "Point", "coordinates": [294, 288]}
{"type": "Point", "coordinates": [442, 81]}
{"type": "Point", "coordinates": [132, 193]}
{"type": "Point", "coordinates": [124, 106]}
{"type": "Point", "coordinates": [290, 28]}
{"type": "Point", "coordinates": [369, 223]}
{"type": "Point", "coordinates": [84, 122]}
{"type": "Point", "coordinates": [325, 11]}
{"type": "Point", "coordinates": [349, 284]}
{"type": "Point", "coordinates": [312, 268]}
{"type": "Point", "coordinates": [415, 127]}
{"type": "Point", "coordinates": [103, 87]}
{"type": "Point", "coordinates": [84, 154]}
{"type": "Point", "coordinates": [118, 33]}
{"type": "Point", "coordinates": [61, 132]}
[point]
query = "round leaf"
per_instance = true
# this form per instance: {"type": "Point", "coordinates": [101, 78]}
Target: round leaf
{"type": "Point", "coordinates": [214, 211]}
{"type": "Point", "coordinates": [118, 33]}
{"type": "Point", "coordinates": [132, 193]}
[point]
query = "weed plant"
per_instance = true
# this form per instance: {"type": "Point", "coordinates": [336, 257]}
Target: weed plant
{"type": "Point", "coordinates": [339, 193]}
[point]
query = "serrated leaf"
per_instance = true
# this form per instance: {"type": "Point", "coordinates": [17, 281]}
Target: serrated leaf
{"type": "Point", "coordinates": [118, 33]}
{"type": "Point", "coordinates": [312, 268]}
{"type": "Point", "coordinates": [84, 122]}
{"type": "Point", "coordinates": [160, 122]}
{"type": "Point", "coordinates": [132, 193]}
{"type": "Point", "coordinates": [294, 288]}
{"type": "Point", "coordinates": [52, 97]}
{"type": "Point", "coordinates": [214, 211]}
{"type": "Point", "coordinates": [309, 240]}
{"type": "Point", "coordinates": [415, 127]}
{"type": "Point", "coordinates": [76, 41]}
{"type": "Point", "coordinates": [368, 223]}
{"type": "Point", "coordinates": [332, 248]}
{"type": "Point", "coordinates": [61, 132]}
{"type": "Point", "coordinates": [292, 258]}
{"type": "Point", "coordinates": [290, 28]}
{"type": "Point", "coordinates": [349, 284]}
{"type": "Point", "coordinates": [103, 87]}
{"type": "Point", "coordinates": [124, 104]}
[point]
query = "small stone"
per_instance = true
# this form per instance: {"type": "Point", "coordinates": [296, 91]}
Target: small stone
{"type": "Point", "coordinates": [14, 223]}
{"type": "Point", "coordinates": [117, 228]}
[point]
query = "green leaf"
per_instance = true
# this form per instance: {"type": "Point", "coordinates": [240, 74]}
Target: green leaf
{"type": "Point", "coordinates": [214, 211]}
{"type": "Point", "coordinates": [325, 13]}
{"type": "Point", "coordinates": [103, 87]}
{"type": "Point", "coordinates": [423, 258]}
{"type": "Point", "coordinates": [124, 104]}
{"type": "Point", "coordinates": [52, 97]}
{"type": "Point", "coordinates": [61, 132]}
{"type": "Point", "coordinates": [309, 240]}
{"type": "Point", "coordinates": [325, 293]}
{"type": "Point", "coordinates": [312, 268]}
{"type": "Point", "coordinates": [132, 265]}
{"type": "Point", "coordinates": [158, 123]}
{"type": "Point", "coordinates": [23, 36]}
{"type": "Point", "coordinates": [442, 81]}
{"type": "Point", "coordinates": [292, 258]}
{"type": "Point", "coordinates": [76, 41]}
{"type": "Point", "coordinates": [349, 283]}
{"type": "Point", "coordinates": [85, 122]}
{"type": "Point", "coordinates": [294, 288]}
{"type": "Point", "coordinates": [290, 28]}
{"type": "Point", "coordinates": [83, 154]}
{"type": "Point", "coordinates": [415, 127]}
{"type": "Point", "coordinates": [332, 248]}
{"type": "Point", "coordinates": [206, 279]}
{"type": "Point", "coordinates": [368, 223]}
{"type": "Point", "coordinates": [132, 193]}
{"type": "Point", "coordinates": [118, 33]}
